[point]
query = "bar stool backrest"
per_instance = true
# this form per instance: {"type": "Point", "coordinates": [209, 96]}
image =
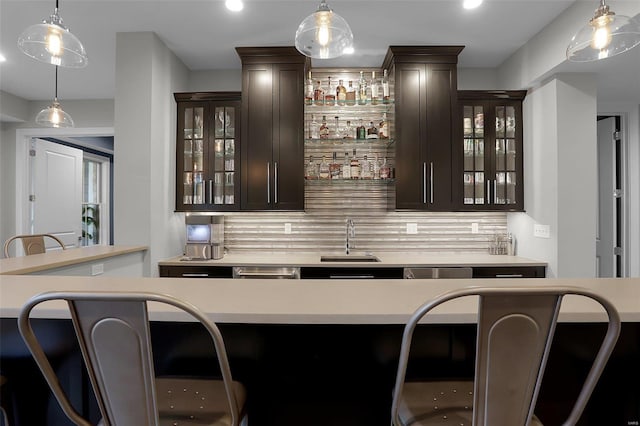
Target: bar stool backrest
{"type": "Point", "coordinates": [32, 244]}
{"type": "Point", "coordinates": [514, 334]}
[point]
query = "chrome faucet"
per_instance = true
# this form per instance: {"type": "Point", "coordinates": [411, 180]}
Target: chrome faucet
{"type": "Point", "coordinates": [351, 233]}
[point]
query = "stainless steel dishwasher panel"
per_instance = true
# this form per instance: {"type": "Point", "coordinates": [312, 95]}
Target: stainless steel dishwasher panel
{"type": "Point", "coordinates": [427, 273]}
{"type": "Point", "coordinates": [266, 272]}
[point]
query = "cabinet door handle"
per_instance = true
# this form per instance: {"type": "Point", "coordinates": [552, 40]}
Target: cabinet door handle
{"type": "Point", "coordinates": [275, 183]}
{"type": "Point", "coordinates": [509, 276]}
{"type": "Point", "coordinates": [424, 183]}
{"type": "Point", "coordinates": [431, 177]}
{"type": "Point", "coordinates": [210, 191]}
{"type": "Point", "coordinates": [195, 275]}
{"type": "Point", "coordinates": [495, 194]}
{"type": "Point", "coordinates": [488, 194]}
{"type": "Point", "coordinates": [268, 183]}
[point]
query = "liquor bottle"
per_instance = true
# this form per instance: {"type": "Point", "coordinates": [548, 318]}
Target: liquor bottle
{"type": "Point", "coordinates": [324, 128]}
{"type": "Point", "coordinates": [314, 128]}
{"type": "Point", "coordinates": [384, 170]}
{"type": "Point", "coordinates": [346, 166]}
{"type": "Point", "coordinates": [376, 168]}
{"type": "Point", "coordinates": [355, 166]}
{"type": "Point", "coordinates": [361, 131]}
{"type": "Point", "coordinates": [318, 94]}
{"type": "Point", "coordinates": [362, 90]}
{"type": "Point", "coordinates": [324, 172]}
{"type": "Point", "coordinates": [386, 95]}
{"type": "Point", "coordinates": [383, 128]}
{"type": "Point", "coordinates": [348, 132]}
{"type": "Point", "coordinates": [334, 167]}
{"type": "Point", "coordinates": [375, 89]}
{"type": "Point", "coordinates": [351, 94]}
{"type": "Point", "coordinates": [311, 171]}
{"type": "Point", "coordinates": [308, 91]}
{"type": "Point", "coordinates": [365, 168]}
{"type": "Point", "coordinates": [372, 131]}
{"type": "Point", "coordinates": [330, 94]}
{"type": "Point", "coordinates": [341, 93]}
{"type": "Point", "coordinates": [335, 132]}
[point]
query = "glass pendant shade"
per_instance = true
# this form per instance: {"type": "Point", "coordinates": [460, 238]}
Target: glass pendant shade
{"type": "Point", "coordinates": [324, 34]}
{"type": "Point", "coordinates": [604, 36]}
{"type": "Point", "coordinates": [54, 116]}
{"type": "Point", "coordinates": [51, 42]}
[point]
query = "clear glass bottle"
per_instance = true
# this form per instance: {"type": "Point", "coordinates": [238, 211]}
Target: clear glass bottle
{"type": "Point", "coordinates": [362, 90]}
{"type": "Point", "coordinates": [386, 95]}
{"type": "Point", "coordinates": [323, 170]}
{"type": "Point", "coordinates": [334, 167]}
{"type": "Point", "coordinates": [383, 128]}
{"type": "Point", "coordinates": [361, 131]}
{"type": "Point", "coordinates": [335, 132]}
{"type": "Point", "coordinates": [346, 166]}
{"type": "Point", "coordinates": [314, 128]}
{"type": "Point", "coordinates": [375, 89]}
{"type": "Point", "coordinates": [372, 131]}
{"type": "Point", "coordinates": [354, 166]}
{"type": "Point", "coordinates": [348, 131]}
{"type": "Point", "coordinates": [376, 168]}
{"type": "Point", "coordinates": [308, 91]}
{"type": "Point", "coordinates": [365, 168]}
{"type": "Point", "coordinates": [351, 94]}
{"type": "Point", "coordinates": [384, 170]}
{"type": "Point", "coordinates": [341, 93]}
{"type": "Point", "coordinates": [318, 94]}
{"type": "Point", "coordinates": [330, 94]}
{"type": "Point", "coordinates": [311, 171]}
{"type": "Point", "coordinates": [324, 128]}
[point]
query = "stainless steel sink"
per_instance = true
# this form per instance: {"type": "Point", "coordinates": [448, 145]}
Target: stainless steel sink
{"type": "Point", "coordinates": [349, 258]}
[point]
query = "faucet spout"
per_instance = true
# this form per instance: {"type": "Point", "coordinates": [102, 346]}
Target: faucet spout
{"type": "Point", "coordinates": [351, 233]}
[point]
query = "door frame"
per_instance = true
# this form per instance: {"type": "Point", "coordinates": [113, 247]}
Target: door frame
{"type": "Point", "coordinates": [23, 144]}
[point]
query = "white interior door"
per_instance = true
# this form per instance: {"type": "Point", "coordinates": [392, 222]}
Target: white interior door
{"type": "Point", "coordinates": [56, 176]}
{"type": "Point", "coordinates": [606, 218]}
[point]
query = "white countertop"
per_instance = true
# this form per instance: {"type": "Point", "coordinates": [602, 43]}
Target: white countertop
{"type": "Point", "coordinates": [59, 258]}
{"type": "Point", "coordinates": [316, 301]}
{"type": "Point", "coordinates": [393, 259]}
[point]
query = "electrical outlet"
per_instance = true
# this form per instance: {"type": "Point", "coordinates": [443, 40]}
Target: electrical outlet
{"type": "Point", "coordinates": [541, 231]}
{"type": "Point", "coordinates": [474, 228]}
{"type": "Point", "coordinates": [97, 269]}
{"type": "Point", "coordinates": [287, 228]}
{"type": "Point", "coordinates": [412, 228]}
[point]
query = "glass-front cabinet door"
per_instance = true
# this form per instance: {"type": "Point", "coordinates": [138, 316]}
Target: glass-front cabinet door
{"type": "Point", "coordinates": [491, 145]}
{"type": "Point", "coordinates": [207, 152]}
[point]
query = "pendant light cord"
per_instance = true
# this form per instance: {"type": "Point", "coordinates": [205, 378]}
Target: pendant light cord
{"type": "Point", "coordinates": [56, 94]}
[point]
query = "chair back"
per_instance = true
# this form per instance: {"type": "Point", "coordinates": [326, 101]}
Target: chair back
{"type": "Point", "coordinates": [514, 334]}
{"type": "Point", "coordinates": [32, 244]}
{"type": "Point", "coordinates": [113, 333]}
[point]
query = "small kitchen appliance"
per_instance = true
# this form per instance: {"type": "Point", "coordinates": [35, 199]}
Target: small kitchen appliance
{"type": "Point", "coordinates": [205, 237]}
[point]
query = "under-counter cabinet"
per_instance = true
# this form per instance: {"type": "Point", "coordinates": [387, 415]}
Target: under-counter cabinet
{"type": "Point", "coordinates": [489, 168]}
{"type": "Point", "coordinates": [272, 157]}
{"type": "Point", "coordinates": [426, 104]}
{"type": "Point", "coordinates": [207, 151]}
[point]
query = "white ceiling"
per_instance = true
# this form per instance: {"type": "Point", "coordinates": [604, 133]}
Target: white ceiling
{"type": "Point", "coordinates": [203, 35]}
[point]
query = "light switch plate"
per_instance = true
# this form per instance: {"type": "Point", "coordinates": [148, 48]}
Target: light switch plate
{"type": "Point", "coordinates": [541, 231]}
{"type": "Point", "coordinates": [412, 228]}
{"type": "Point", "coordinates": [287, 228]}
{"type": "Point", "coordinates": [474, 228]}
{"type": "Point", "coordinates": [97, 269]}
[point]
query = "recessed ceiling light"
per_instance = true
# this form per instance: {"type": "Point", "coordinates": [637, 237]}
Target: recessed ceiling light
{"type": "Point", "coordinates": [471, 4]}
{"type": "Point", "coordinates": [234, 5]}
{"type": "Point", "coordinates": [2, 58]}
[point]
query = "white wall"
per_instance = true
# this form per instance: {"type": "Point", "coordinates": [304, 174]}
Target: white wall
{"type": "Point", "coordinates": [147, 75]}
{"type": "Point", "coordinates": [215, 80]}
{"type": "Point", "coordinates": [560, 176]}
{"type": "Point", "coordinates": [478, 79]}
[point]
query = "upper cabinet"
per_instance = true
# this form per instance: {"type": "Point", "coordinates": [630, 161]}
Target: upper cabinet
{"type": "Point", "coordinates": [489, 171]}
{"type": "Point", "coordinates": [207, 151]}
{"type": "Point", "coordinates": [272, 157]}
{"type": "Point", "coordinates": [425, 110]}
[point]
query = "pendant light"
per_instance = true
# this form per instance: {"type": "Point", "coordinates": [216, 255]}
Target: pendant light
{"type": "Point", "coordinates": [54, 115]}
{"type": "Point", "coordinates": [53, 43]}
{"type": "Point", "coordinates": [324, 34]}
{"type": "Point", "coordinates": [604, 36]}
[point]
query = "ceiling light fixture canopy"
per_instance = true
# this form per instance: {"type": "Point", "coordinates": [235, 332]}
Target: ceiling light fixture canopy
{"type": "Point", "coordinates": [54, 115]}
{"type": "Point", "coordinates": [53, 43]}
{"type": "Point", "coordinates": [324, 34]}
{"type": "Point", "coordinates": [604, 36]}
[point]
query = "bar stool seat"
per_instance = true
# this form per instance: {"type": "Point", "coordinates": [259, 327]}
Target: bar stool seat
{"type": "Point", "coordinates": [32, 244]}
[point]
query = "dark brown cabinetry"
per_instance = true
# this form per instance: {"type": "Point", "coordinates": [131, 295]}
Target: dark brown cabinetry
{"type": "Point", "coordinates": [489, 163]}
{"type": "Point", "coordinates": [272, 158]}
{"type": "Point", "coordinates": [207, 151]}
{"type": "Point", "coordinates": [425, 99]}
